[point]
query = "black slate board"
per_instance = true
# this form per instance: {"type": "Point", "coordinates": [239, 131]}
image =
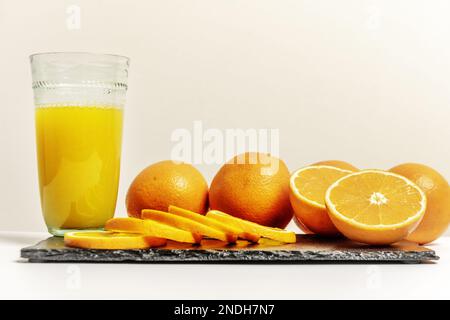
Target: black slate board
{"type": "Point", "coordinates": [309, 248]}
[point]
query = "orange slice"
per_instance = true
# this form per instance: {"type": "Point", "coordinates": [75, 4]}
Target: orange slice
{"type": "Point", "coordinates": [375, 207]}
{"type": "Point", "coordinates": [151, 228]}
{"type": "Point", "coordinates": [187, 225]}
{"type": "Point", "coordinates": [229, 230]}
{"type": "Point", "coordinates": [111, 240]}
{"type": "Point", "coordinates": [307, 194]}
{"type": "Point", "coordinates": [253, 228]}
{"type": "Point", "coordinates": [243, 233]}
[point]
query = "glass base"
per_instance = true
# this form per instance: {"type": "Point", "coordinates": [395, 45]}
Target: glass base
{"type": "Point", "coordinates": [60, 232]}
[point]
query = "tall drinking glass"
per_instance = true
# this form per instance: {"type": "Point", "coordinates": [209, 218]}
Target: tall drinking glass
{"type": "Point", "coordinates": [79, 99]}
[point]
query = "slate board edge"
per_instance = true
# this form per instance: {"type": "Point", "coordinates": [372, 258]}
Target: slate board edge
{"type": "Point", "coordinates": [192, 255]}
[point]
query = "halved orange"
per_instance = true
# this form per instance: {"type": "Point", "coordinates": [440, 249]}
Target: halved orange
{"type": "Point", "coordinates": [307, 194]}
{"type": "Point", "coordinates": [111, 240]}
{"type": "Point", "coordinates": [375, 207]}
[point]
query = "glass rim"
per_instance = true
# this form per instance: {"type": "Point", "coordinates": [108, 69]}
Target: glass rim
{"type": "Point", "coordinates": [38, 54]}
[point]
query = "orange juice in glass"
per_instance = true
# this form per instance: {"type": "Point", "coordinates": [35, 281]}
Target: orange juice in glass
{"type": "Point", "coordinates": [79, 100]}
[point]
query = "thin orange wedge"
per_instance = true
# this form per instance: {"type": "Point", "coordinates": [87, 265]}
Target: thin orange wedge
{"type": "Point", "coordinates": [111, 240]}
{"type": "Point", "coordinates": [187, 225]}
{"type": "Point", "coordinates": [151, 228]}
{"type": "Point", "coordinates": [307, 194]}
{"type": "Point", "coordinates": [253, 228]}
{"type": "Point", "coordinates": [375, 207]}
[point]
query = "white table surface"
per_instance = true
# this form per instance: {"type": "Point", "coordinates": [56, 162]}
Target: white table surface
{"type": "Point", "coordinates": [21, 279]}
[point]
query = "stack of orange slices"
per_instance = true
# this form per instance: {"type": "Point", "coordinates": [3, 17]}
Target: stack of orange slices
{"type": "Point", "coordinates": [156, 227]}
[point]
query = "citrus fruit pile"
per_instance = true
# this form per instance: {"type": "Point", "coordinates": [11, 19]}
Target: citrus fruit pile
{"type": "Point", "coordinates": [410, 201]}
{"type": "Point", "coordinates": [254, 196]}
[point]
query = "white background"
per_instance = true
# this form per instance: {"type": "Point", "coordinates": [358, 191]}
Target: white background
{"type": "Point", "coordinates": [361, 81]}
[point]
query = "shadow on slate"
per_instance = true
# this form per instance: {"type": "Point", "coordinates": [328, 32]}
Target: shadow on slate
{"type": "Point", "coordinates": [308, 249]}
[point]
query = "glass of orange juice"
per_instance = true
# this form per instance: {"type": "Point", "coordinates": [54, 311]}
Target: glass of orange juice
{"type": "Point", "coordinates": [79, 100]}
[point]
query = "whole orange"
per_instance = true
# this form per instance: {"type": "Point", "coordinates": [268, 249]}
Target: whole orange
{"type": "Point", "coordinates": [255, 187]}
{"type": "Point", "coordinates": [437, 191]}
{"type": "Point", "coordinates": [167, 183]}
{"type": "Point", "coordinates": [337, 164]}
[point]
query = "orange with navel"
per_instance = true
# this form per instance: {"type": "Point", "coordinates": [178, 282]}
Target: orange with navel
{"type": "Point", "coordinates": [437, 190]}
{"type": "Point", "coordinates": [167, 183]}
{"type": "Point", "coordinates": [255, 187]}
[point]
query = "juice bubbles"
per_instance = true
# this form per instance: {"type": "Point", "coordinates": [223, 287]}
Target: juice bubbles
{"type": "Point", "coordinates": [78, 149]}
